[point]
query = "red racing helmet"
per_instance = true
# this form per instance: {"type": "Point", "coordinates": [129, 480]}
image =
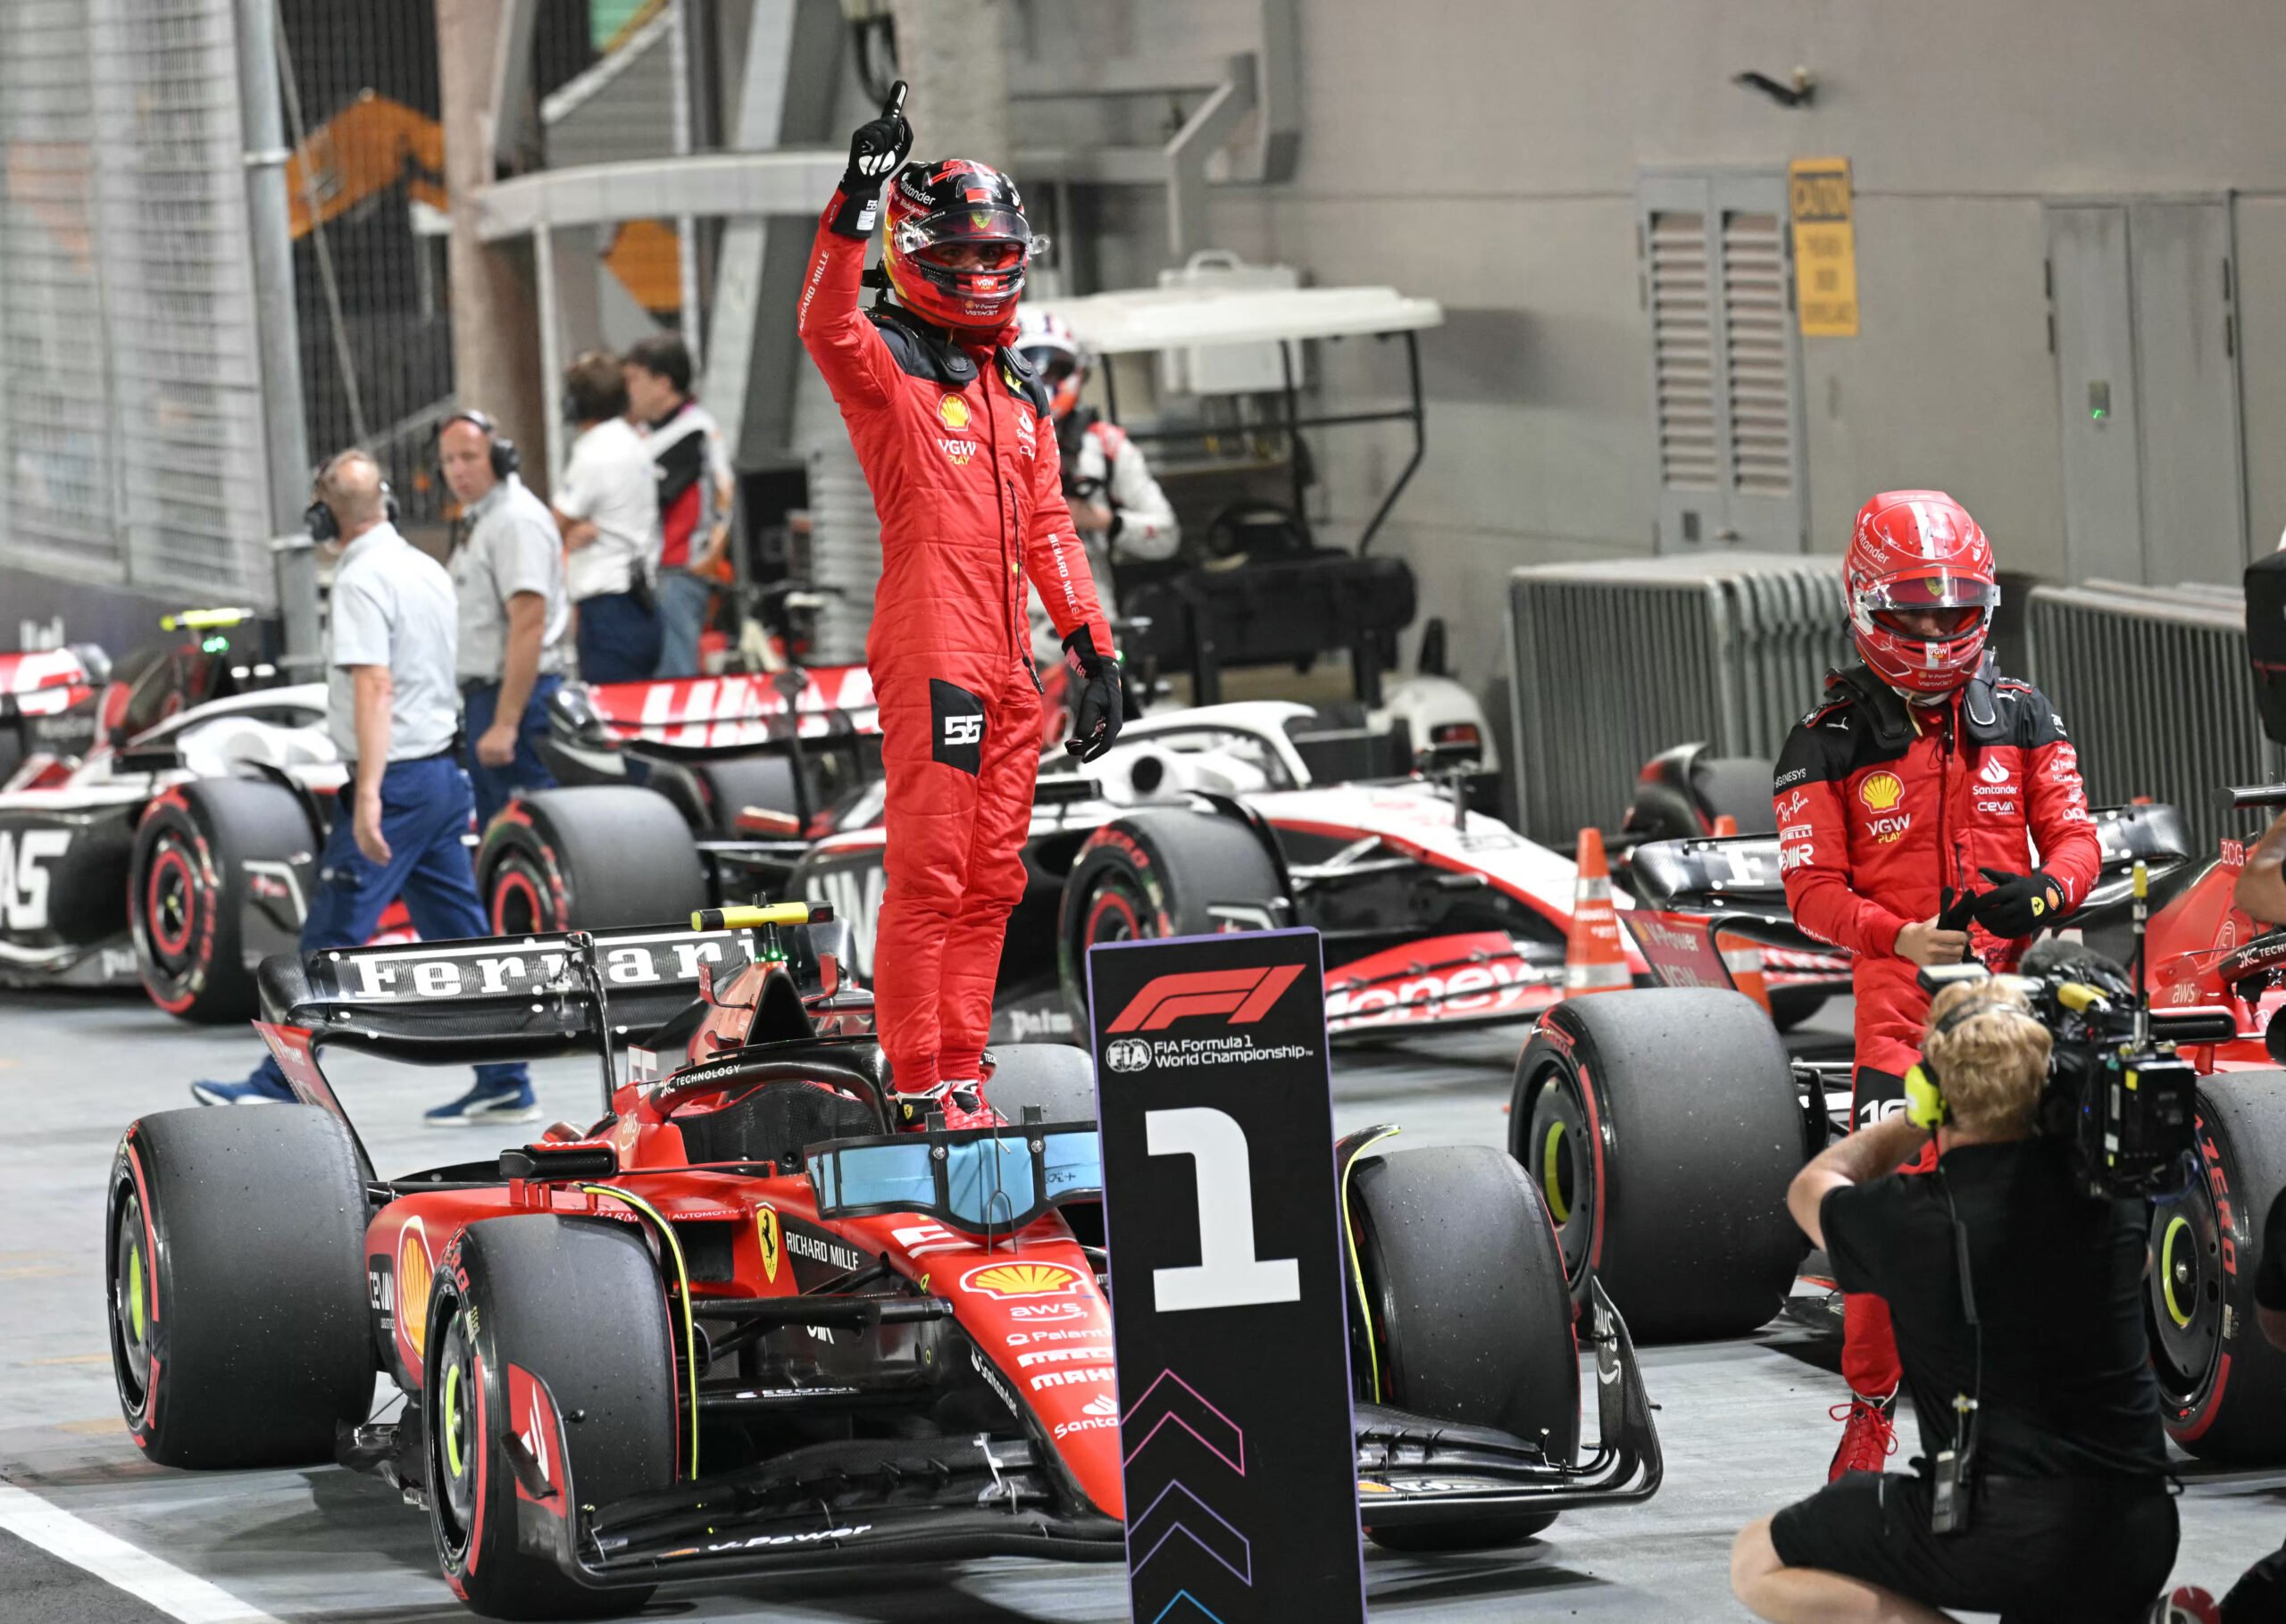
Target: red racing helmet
{"type": "Point", "coordinates": [1922, 591]}
{"type": "Point", "coordinates": [956, 243]}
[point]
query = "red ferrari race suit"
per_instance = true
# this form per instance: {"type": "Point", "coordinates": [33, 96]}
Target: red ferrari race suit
{"type": "Point", "coordinates": [959, 450]}
{"type": "Point", "coordinates": [1885, 810]}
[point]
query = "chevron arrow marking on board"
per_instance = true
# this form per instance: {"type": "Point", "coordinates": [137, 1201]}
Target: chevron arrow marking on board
{"type": "Point", "coordinates": [1184, 1405]}
{"type": "Point", "coordinates": [1198, 1610]}
{"type": "Point", "coordinates": [1155, 1528]}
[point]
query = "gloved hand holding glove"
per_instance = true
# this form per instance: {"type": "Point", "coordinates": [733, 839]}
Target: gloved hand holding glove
{"type": "Point", "coordinates": [879, 146]}
{"type": "Point", "coordinates": [1101, 710]}
{"type": "Point", "coordinates": [2018, 904]}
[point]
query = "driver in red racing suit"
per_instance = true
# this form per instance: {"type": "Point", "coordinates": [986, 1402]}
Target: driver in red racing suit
{"type": "Point", "coordinates": [958, 445]}
{"type": "Point", "coordinates": [1925, 811]}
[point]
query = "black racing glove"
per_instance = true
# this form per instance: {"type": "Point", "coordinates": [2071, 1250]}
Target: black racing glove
{"type": "Point", "coordinates": [875, 151]}
{"type": "Point", "coordinates": [1959, 909]}
{"type": "Point", "coordinates": [2019, 904]}
{"type": "Point", "coordinates": [1102, 710]}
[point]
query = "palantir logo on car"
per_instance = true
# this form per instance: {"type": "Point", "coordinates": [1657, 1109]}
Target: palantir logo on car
{"type": "Point", "coordinates": [1127, 1055]}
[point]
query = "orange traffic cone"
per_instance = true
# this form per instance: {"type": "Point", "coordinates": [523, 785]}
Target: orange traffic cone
{"type": "Point", "coordinates": [1725, 825]}
{"type": "Point", "coordinates": [1594, 960]}
{"type": "Point", "coordinates": [1743, 960]}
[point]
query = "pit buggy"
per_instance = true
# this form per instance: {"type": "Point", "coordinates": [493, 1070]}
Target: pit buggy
{"type": "Point", "coordinates": [734, 1325]}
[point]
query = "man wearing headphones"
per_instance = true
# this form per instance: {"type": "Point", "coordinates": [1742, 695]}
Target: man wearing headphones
{"type": "Point", "coordinates": [508, 571]}
{"type": "Point", "coordinates": [2018, 1306]}
{"type": "Point", "coordinates": [394, 713]}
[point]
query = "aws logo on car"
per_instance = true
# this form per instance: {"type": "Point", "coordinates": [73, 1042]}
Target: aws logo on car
{"type": "Point", "coordinates": [1881, 792]}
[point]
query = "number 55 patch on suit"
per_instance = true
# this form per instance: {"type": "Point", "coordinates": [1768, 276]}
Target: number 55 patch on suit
{"type": "Point", "coordinates": [957, 723]}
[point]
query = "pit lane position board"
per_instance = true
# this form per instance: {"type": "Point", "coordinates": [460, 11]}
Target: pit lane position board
{"type": "Point", "coordinates": [1228, 1315]}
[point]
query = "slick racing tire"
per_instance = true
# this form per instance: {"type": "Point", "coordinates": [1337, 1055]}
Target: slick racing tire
{"type": "Point", "coordinates": [1459, 1311]}
{"type": "Point", "coordinates": [1163, 872]}
{"type": "Point", "coordinates": [589, 859]}
{"type": "Point", "coordinates": [190, 885]}
{"type": "Point", "coordinates": [2221, 1386]}
{"type": "Point", "coordinates": [1055, 1077]}
{"type": "Point", "coordinates": [234, 1247]}
{"type": "Point", "coordinates": [536, 1322]}
{"type": "Point", "coordinates": [1662, 1128]}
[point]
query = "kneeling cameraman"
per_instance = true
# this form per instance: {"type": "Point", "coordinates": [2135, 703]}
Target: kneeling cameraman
{"type": "Point", "coordinates": [2018, 1305]}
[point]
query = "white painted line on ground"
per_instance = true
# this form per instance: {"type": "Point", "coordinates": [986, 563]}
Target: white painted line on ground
{"type": "Point", "coordinates": [124, 1567]}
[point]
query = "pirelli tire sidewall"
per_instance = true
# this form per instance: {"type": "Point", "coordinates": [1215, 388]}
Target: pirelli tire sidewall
{"type": "Point", "coordinates": [590, 857]}
{"type": "Point", "coordinates": [548, 1359]}
{"type": "Point", "coordinates": [190, 893]}
{"type": "Point", "coordinates": [238, 1320]}
{"type": "Point", "coordinates": [2221, 1384]}
{"type": "Point", "coordinates": [1662, 1126]}
{"type": "Point", "coordinates": [1163, 871]}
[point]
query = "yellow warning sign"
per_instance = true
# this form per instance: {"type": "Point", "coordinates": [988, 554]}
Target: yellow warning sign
{"type": "Point", "coordinates": [1825, 247]}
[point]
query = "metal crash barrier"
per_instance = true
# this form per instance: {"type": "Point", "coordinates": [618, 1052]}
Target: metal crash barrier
{"type": "Point", "coordinates": [1612, 662]}
{"type": "Point", "coordinates": [2153, 684]}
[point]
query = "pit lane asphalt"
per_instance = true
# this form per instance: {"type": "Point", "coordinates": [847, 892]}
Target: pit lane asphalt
{"type": "Point", "coordinates": [1744, 1423]}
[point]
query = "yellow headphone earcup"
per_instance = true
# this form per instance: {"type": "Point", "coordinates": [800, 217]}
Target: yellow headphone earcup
{"type": "Point", "coordinates": [1924, 1102]}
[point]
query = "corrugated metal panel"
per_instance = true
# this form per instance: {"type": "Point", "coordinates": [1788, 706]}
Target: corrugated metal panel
{"type": "Point", "coordinates": [1682, 350]}
{"type": "Point", "coordinates": [1613, 662]}
{"type": "Point", "coordinates": [1754, 321]}
{"type": "Point", "coordinates": [2153, 684]}
{"type": "Point", "coordinates": [130, 431]}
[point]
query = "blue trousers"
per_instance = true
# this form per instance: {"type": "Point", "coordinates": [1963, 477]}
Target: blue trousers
{"type": "Point", "coordinates": [479, 703]}
{"type": "Point", "coordinates": [425, 810]}
{"type": "Point", "coordinates": [682, 616]}
{"type": "Point", "coordinates": [619, 638]}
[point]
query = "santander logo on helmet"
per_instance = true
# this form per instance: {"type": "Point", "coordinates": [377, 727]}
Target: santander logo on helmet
{"type": "Point", "coordinates": [1921, 588]}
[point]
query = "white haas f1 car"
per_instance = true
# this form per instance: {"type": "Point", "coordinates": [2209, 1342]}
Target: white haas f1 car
{"type": "Point", "coordinates": [1251, 816]}
{"type": "Point", "coordinates": [158, 823]}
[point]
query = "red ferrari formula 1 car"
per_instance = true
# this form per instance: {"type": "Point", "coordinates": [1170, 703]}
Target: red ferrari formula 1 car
{"type": "Point", "coordinates": [733, 1324]}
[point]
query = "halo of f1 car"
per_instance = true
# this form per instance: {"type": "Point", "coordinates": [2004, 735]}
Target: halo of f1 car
{"type": "Point", "coordinates": [734, 1324]}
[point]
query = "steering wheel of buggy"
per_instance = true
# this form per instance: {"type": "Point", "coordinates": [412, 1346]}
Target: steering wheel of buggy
{"type": "Point", "coordinates": [1227, 532]}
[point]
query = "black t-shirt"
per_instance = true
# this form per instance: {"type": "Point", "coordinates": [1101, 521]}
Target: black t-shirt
{"type": "Point", "coordinates": [2067, 1387]}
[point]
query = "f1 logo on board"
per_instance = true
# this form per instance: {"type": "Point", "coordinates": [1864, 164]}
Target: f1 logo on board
{"type": "Point", "coordinates": [1245, 995]}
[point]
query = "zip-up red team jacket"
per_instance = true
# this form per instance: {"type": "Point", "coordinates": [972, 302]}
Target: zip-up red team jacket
{"type": "Point", "coordinates": [958, 446]}
{"type": "Point", "coordinates": [1881, 805]}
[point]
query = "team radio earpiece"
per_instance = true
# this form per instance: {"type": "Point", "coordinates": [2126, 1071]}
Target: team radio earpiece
{"type": "Point", "coordinates": [505, 458]}
{"type": "Point", "coordinates": [1924, 1093]}
{"type": "Point", "coordinates": [318, 521]}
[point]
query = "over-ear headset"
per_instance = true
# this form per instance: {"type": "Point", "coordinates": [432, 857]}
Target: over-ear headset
{"type": "Point", "coordinates": [505, 458]}
{"type": "Point", "coordinates": [1925, 1106]}
{"type": "Point", "coordinates": [318, 520]}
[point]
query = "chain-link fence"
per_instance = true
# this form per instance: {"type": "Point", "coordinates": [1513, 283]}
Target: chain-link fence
{"type": "Point", "coordinates": [131, 414]}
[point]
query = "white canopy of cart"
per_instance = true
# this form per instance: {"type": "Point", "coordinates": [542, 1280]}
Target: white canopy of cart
{"type": "Point", "coordinates": [1145, 318]}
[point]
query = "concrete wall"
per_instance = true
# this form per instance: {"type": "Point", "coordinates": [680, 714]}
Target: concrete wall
{"type": "Point", "coordinates": [1486, 153]}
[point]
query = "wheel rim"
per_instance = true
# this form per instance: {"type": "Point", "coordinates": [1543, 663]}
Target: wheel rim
{"type": "Point", "coordinates": [517, 909]}
{"type": "Point", "coordinates": [453, 1441]}
{"type": "Point", "coordinates": [1116, 913]}
{"type": "Point", "coordinates": [2183, 1305]}
{"type": "Point", "coordinates": [134, 1304]}
{"type": "Point", "coordinates": [173, 897]}
{"type": "Point", "coordinates": [1561, 1159]}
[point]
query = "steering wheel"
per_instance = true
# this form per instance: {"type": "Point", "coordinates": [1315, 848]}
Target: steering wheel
{"type": "Point", "coordinates": [1244, 528]}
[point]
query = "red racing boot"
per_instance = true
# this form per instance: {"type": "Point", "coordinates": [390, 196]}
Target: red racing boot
{"type": "Point", "coordinates": [962, 1103]}
{"type": "Point", "coordinates": [1868, 1436]}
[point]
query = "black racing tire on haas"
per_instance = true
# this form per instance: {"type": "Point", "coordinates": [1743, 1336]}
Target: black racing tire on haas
{"type": "Point", "coordinates": [1467, 1314]}
{"type": "Point", "coordinates": [188, 890]}
{"type": "Point", "coordinates": [588, 858]}
{"type": "Point", "coordinates": [1163, 871]}
{"type": "Point", "coordinates": [578, 1303]}
{"type": "Point", "coordinates": [1662, 1127]}
{"type": "Point", "coordinates": [2221, 1386]}
{"type": "Point", "coordinates": [1055, 1077]}
{"type": "Point", "coordinates": [235, 1254]}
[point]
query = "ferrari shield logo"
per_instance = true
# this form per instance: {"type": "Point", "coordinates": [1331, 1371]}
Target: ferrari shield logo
{"type": "Point", "coordinates": [773, 1240]}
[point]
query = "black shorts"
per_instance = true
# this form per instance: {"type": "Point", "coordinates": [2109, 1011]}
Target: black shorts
{"type": "Point", "coordinates": [2036, 1550]}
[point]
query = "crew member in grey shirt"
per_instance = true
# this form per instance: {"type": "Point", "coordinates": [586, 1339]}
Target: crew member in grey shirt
{"type": "Point", "coordinates": [394, 710]}
{"type": "Point", "coordinates": [514, 618]}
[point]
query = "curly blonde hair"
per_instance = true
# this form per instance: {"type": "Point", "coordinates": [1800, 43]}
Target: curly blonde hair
{"type": "Point", "coordinates": [1990, 1057]}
